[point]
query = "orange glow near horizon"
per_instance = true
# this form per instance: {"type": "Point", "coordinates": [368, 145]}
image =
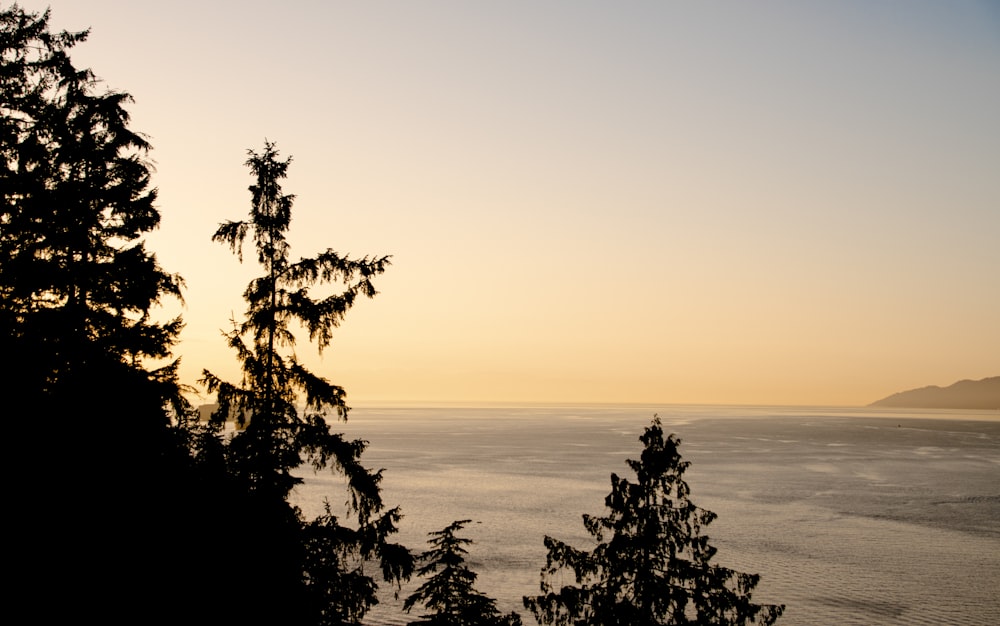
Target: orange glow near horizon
{"type": "Point", "coordinates": [677, 203]}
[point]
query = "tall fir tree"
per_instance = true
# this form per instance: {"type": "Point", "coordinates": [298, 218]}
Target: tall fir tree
{"type": "Point", "coordinates": [102, 482]}
{"type": "Point", "coordinates": [651, 564]}
{"type": "Point", "coordinates": [315, 570]}
{"type": "Point", "coordinates": [76, 282]}
{"type": "Point", "coordinates": [449, 592]}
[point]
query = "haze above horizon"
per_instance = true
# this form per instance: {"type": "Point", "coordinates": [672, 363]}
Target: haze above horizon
{"type": "Point", "coordinates": [726, 203]}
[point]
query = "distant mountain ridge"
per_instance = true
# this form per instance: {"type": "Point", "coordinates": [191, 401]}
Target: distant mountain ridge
{"type": "Point", "coordinates": [965, 394]}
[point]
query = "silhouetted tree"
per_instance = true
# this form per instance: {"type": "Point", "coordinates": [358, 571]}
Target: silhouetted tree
{"type": "Point", "coordinates": [314, 569]}
{"type": "Point", "coordinates": [651, 563]}
{"type": "Point", "coordinates": [76, 282]}
{"type": "Point", "coordinates": [105, 485]}
{"type": "Point", "coordinates": [450, 591]}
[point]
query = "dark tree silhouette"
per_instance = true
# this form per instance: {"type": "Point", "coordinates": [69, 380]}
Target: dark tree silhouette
{"type": "Point", "coordinates": [651, 564]}
{"type": "Point", "coordinates": [106, 493]}
{"type": "Point", "coordinates": [315, 571]}
{"type": "Point", "coordinates": [450, 592]}
{"type": "Point", "coordinates": [76, 282]}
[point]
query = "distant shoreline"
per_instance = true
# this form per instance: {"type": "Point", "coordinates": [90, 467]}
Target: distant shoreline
{"type": "Point", "coordinates": [688, 411]}
{"type": "Point", "coordinates": [965, 394]}
{"type": "Point", "coordinates": [667, 410]}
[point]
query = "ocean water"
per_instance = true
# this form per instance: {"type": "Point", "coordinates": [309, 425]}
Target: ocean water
{"type": "Point", "coordinates": [850, 516]}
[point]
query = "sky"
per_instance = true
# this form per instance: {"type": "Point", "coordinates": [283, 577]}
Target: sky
{"type": "Point", "coordinates": [653, 202]}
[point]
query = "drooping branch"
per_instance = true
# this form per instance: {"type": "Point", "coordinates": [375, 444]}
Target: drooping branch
{"type": "Point", "coordinates": [232, 234]}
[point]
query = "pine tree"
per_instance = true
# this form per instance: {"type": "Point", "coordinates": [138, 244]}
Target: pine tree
{"type": "Point", "coordinates": [102, 485]}
{"type": "Point", "coordinates": [651, 564]}
{"type": "Point", "coordinates": [76, 282]}
{"type": "Point", "coordinates": [450, 591]}
{"type": "Point", "coordinates": [314, 569]}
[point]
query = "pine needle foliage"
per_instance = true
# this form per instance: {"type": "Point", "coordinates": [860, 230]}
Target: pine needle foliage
{"type": "Point", "coordinates": [324, 558]}
{"type": "Point", "coordinates": [106, 492]}
{"type": "Point", "coordinates": [450, 592]}
{"type": "Point", "coordinates": [77, 284]}
{"type": "Point", "coordinates": [651, 564]}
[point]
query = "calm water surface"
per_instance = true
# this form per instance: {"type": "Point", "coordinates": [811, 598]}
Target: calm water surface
{"type": "Point", "coordinates": [850, 516]}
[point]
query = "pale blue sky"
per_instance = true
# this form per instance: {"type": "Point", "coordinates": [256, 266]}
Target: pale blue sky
{"type": "Point", "coordinates": [761, 202]}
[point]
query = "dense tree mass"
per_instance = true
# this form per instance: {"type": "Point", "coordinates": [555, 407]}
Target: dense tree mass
{"type": "Point", "coordinates": [651, 563]}
{"type": "Point", "coordinates": [324, 559]}
{"type": "Point", "coordinates": [132, 507]}
{"type": "Point", "coordinates": [77, 283]}
{"type": "Point", "coordinates": [450, 593]}
{"type": "Point", "coordinates": [103, 484]}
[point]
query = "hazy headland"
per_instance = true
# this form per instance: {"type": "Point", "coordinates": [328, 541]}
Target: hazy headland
{"type": "Point", "coordinates": [965, 394]}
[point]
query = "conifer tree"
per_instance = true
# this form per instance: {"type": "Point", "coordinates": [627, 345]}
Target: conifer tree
{"type": "Point", "coordinates": [652, 563]}
{"type": "Point", "coordinates": [315, 570]}
{"type": "Point", "coordinates": [450, 592]}
{"type": "Point", "coordinates": [105, 486]}
{"type": "Point", "coordinates": [77, 284]}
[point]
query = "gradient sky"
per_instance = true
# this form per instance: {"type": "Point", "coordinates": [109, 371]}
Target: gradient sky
{"type": "Point", "coordinates": [683, 202]}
